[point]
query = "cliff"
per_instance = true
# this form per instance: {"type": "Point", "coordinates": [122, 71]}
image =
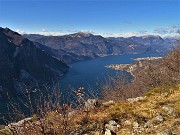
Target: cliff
{"type": "Point", "coordinates": [23, 65]}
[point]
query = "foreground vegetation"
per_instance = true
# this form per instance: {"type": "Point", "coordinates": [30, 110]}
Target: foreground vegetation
{"type": "Point", "coordinates": [150, 104]}
{"type": "Point", "coordinates": [157, 111]}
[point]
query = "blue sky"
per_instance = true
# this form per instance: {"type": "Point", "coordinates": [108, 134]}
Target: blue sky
{"type": "Point", "coordinates": [108, 17]}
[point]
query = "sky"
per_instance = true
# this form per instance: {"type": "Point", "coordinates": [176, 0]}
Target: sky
{"type": "Point", "coordinates": [106, 17]}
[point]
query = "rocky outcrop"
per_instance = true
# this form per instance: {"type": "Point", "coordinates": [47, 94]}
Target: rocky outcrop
{"type": "Point", "coordinates": [156, 114]}
{"type": "Point", "coordinates": [111, 128]}
{"type": "Point", "coordinates": [135, 99]}
{"type": "Point", "coordinates": [23, 65]}
{"type": "Point", "coordinates": [91, 104]}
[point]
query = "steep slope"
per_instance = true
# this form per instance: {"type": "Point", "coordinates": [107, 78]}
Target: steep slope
{"type": "Point", "coordinates": [155, 113]}
{"type": "Point", "coordinates": [157, 43]}
{"type": "Point", "coordinates": [23, 65]}
{"type": "Point", "coordinates": [82, 46]}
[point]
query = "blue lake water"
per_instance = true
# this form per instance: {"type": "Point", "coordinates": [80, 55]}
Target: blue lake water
{"type": "Point", "coordinates": [89, 73]}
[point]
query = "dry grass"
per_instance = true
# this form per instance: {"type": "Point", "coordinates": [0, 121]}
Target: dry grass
{"type": "Point", "coordinates": [140, 111]}
{"type": "Point", "coordinates": [55, 119]}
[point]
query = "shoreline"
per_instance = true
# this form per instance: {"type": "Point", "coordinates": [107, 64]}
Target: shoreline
{"type": "Point", "coordinates": [133, 66]}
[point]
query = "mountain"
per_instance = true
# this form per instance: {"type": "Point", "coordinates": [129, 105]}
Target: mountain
{"type": "Point", "coordinates": [174, 41]}
{"type": "Point", "coordinates": [157, 43]}
{"type": "Point", "coordinates": [82, 46]}
{"type": "Point", "coordinates": [23, 65]}
{"type": "Point", "coordinates": [33, 36]}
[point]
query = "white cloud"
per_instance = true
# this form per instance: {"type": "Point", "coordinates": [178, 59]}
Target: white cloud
{"type": "Point", "coordinates": [170, 30]}
{"type": "Point", "coordinates": [60, 32]}
{"type": "Point", "coordinates": [125, 34]}
{"type": "Point", "coordinates": [85, 31]}
{"type": "Point", "coordinates": [50, 32]}
{"type": "Point", "coordinates": [43, 32]}
{"type": "Point", "coordinates": [163, 32]}
{"type": "Point", "coordinates": [20, 31]}
{"type": "Point", "coordinates": [88, 31]}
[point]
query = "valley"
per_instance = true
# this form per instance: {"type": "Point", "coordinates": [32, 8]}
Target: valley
{"type": "Point", "coordinates": [83, 46]}
{"type": "Point", "coordinates": [89, 67]}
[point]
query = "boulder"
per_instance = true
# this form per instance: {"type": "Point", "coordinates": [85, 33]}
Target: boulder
{"type": "Point", "coordinates": [78, 132]}
{"type": "Point", "coordinates": [17, 127]}
{"type": "Point", "coordinates": [167, 109]}
{"type": "Point", "coordinates": [154, 120]}
{"type": "Point", "coordinates": [158, 118]}
{"type": "Point", "coordinates": [111, 128]}
{"type": "Point", "coordinates": [107, 132]}
{"type": "Point", "coordinates": [91, 104]}
{"type": "Point", "coordinates": [19, 123]}
{"type": "Point", "coordinates": [135, 125]}
{"type": "Point", "coordinates": [135, 99]}
{"type": "Point", "coordinates": [110, 102]}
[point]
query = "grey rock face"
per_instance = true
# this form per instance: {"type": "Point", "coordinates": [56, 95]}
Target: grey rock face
{"type": "Point", "coordinates": [107, 132]}
{"type": "Point", "coordinates": [79, 132]}
{"type": "Point", "coordinates": [157, 119]}
{"type": "Point", "coordinates": [111, 128]}
{"type": "Point", "coordinates": [108, 103]}
{"type": "Point", "coordinates": [135, 125]}
{"type": "Point", "coordinates": [135, 99]}
{"type": "Point", "coordinates": [17, 127]}
{"type": "Point", "coordinates": [167, 109]}
{"type": "Point", "coordinates": [90, 104]}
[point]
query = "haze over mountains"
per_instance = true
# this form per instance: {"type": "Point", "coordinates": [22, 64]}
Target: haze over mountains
{"type": "Point", "coordinates": [82, 46]}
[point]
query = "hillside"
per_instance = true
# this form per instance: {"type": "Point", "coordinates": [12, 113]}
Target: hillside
{"type": "Point", "coordinates": [148, 105]}
{"type": "Point", "coordinates": [24, 66]}
{"type": "Point", "coordinates": [155, 113]}
{"type": "Point", "coordinates": [82, 46]}
{"type": "Point", "coordinates": [137, 66]}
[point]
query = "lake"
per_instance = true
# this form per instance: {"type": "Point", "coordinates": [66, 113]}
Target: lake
{"type": "Point", "coordinates": [88, 74]}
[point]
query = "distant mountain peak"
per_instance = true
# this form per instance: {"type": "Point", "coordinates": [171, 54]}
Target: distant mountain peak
{"type": "Point", "coordinates": [151, 36]}
{"type": "Point", "coordinates": [82, 34]}
{"type": "Point", "coordinates": [8, 31]}
{"type": "Point", "coordinates": [23, 65]}
{"type": "Point", "coordinates": [13, 36]}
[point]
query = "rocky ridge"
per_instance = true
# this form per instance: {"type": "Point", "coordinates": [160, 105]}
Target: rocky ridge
{"type": "Point", "coordinates": [82, 46]}
{"type": "Point", "coordinates": [24, 66]}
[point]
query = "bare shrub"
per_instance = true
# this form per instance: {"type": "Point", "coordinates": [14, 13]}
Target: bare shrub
{"type": "Point", "coordinates": [163, 72]}
{"type": "Point", "coordinates": [48, 110]}
{"type": "Point", "coordinates": [115, 87]}
{"type": "Point", "coordinates": [45, 109]}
